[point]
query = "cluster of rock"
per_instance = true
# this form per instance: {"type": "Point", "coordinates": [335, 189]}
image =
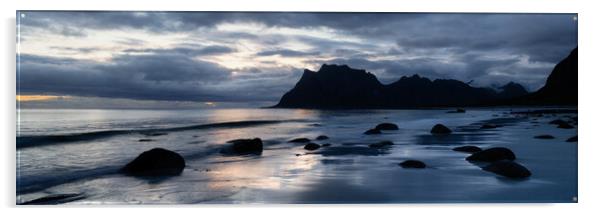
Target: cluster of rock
{"type": "Point", "coordinates": [162, 162]}
{"type": "Point", "coordinates": [310, 146]}
{"type": "Point", "coordinates": [501, 162]}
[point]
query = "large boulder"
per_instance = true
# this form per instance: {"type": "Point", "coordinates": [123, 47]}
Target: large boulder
{"type": "Point", "coordinates": [322, 137]}
{"type": "Point", "coordinates": [156, 162]}
{"type": "Point", "coordinates": [468, 149]}
{"type": "Point", "coordinates": [440, 129]}
{"type": "Point", "coordinates": [372, 131]}
{"type": "Point", "coordinates": [311, 146]}
{"type": "Point", "coordinates": [386, 126]}
{"type": "Point", "coordinates": [492, 154]}
{"type": "Point", "coordinates": [509, 169]}
{"type": "Point", "coordinates": [412, 164]}
{"type": "Point", "coordinates": [245, 146]}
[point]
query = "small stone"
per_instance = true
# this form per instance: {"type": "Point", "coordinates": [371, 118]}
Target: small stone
{"type": "Point", "coordinates": [322, 137]}
{"type": "Point", "coordinates": [299, 140]}
{"type": "Point", "coordinates": [386, 126]}
{"type": "Point", "coordinates": [469, 149]}
{"type": "Point", "coordinates": [545, 136]}
{"type": "Point", "coordinates": [572, 139]}
{"type": "Point", "coordinates": [381, 144]}
{"type": "Point", "coordinates": [412, 164]}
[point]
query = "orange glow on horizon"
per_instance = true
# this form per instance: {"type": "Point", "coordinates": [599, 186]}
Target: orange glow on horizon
{"type": "Point", "coordinates": [26, 98]}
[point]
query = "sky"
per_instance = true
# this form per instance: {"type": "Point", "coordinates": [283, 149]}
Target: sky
{"type": "Point", "coordinates": [227, 59]}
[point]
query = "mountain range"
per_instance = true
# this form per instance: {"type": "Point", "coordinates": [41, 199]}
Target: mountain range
{"type": "Point", "coordinates": [342, 87]}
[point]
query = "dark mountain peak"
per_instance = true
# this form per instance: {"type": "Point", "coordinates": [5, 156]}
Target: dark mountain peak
{"type": "Point", "coordinates": [414, 78]}
{"type": "Point", "coordinates": [512, 90]}
{"type": "Point", "coordinates": [326, 68]}
{"type": "Point", "coordinates": [511, 86]}
{"type": "Point", "coordinates": [561, 86]}
{"type": "Point", "coordinates": [334, 70]}
{"type": "Point", "coordinates": [451, 82]}
{"type": "Point", "coordinates": [333, 86]}
{"type": "Point", "coordinates": [339, 86]}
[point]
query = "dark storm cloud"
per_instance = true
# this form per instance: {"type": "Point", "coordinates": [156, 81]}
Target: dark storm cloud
{"type": "Point", "coordinates": [547, 38]}
{"type": "Point", "coordinates": [137, 77]}
{"type": "Point", "coordinates": [544, 37]}
{"type": "Point", "coordinates": [486, 48]}
{"type": "Point", "coordinates": [367, 23]}
{"type": "Point", "coordinates": [149, 77]}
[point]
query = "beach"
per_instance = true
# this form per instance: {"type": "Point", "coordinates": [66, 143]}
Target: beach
{"type": "Point", "coordinates": [80, 153]}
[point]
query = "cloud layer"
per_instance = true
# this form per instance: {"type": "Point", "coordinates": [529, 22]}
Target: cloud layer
{"type": "Point", "coordinates": [251, 57]}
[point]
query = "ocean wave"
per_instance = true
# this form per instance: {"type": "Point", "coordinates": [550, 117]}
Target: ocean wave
{"type": "Point", "coordinates": [26, 184]}
{"type": "Point", "coordinates": [42, 140]}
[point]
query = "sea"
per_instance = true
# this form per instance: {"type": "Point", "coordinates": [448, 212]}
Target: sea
{"type": "Point", "coordinates": [80, 152]}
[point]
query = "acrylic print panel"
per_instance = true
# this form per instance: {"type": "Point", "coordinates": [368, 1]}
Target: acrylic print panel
{"type": "Point", "coordinates": [228, 107]}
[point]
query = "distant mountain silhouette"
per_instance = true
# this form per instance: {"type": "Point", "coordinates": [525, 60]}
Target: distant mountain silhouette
{"type": "Point", "coordinates": [342, 87]}
{"type": "Point", "coordinates": [512, 90]}
{"type": "Point", "coordinates": [560, 88]}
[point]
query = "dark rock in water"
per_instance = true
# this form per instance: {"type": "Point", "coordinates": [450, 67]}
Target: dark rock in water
{"type": "Point", "coordinates": [381, 144]}
{"type": "Point", "coordinates": [459, 110]}
{"type": "Point", "coordinates": [155, 134]}
{"type": "Point", "coordinates": [412, 164]}
{"type": "Point", "coordinates": [565, 125]}
{"type": "Point", "coordinates": [544, 137]}
{"type": "Point", "coordinates": [311, 146]}
{"type": "Point", "coordinates": [372, 131]}
{"type": "Point", "coordinates": [557, 121]}
{"type": "Point", "coordinates": [440, 129]}
{"type": "Point", "coordinates": [322, 137]}
{"type": "Point", "coordinates": [489, 126]}
{"type": "Point", "coordinates": [299, 140]}
{"type": "Point", "coordinates": [509, 169]}
{"type": "Point", "coordinates": [325, 144]}
{"type": "Point", "coordinates": [156, 162]}
{"type": "Point", "coordinates": [145, 140]}
{"type": "Point", "coordinates": [469, 149]}
{"type": "Point", "coordinates": [386, 126]}
{"type": "Point", "coordinates": [54, 199]}
{"type": "Point", "coordinates": [572, 139]}
{"type": "Point", "coordinates": [492, 154]}
{"type": "Point", "coordinates": [245, 146]}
